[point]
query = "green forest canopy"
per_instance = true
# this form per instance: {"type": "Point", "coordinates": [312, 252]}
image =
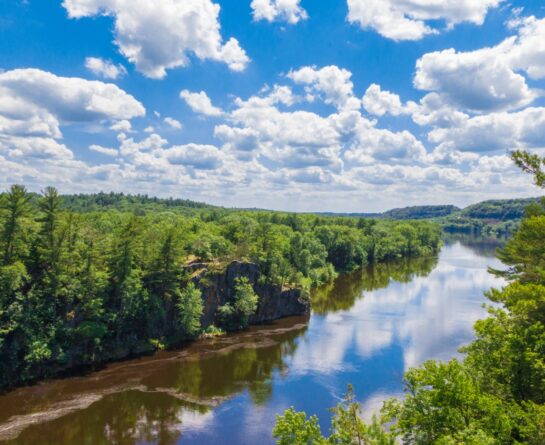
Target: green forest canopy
{"type": "Point", "coordinates": [88, 278]}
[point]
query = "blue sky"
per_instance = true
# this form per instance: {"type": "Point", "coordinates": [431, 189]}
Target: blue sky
{"type": "Point", "coordinates": [340, 105]}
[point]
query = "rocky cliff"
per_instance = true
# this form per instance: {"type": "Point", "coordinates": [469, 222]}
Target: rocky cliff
{"type": "Point", "coordinates": [218, 288]}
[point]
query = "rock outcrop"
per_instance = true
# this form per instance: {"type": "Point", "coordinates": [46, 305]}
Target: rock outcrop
{"type": "Point", "coordinates": [218, 288]}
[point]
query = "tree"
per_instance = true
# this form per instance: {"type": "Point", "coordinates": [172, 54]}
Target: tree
{"type": "Point", "coordinates": [347, 427]}
{"type": "Point", "coordinates": [235, 315]}
{"type": "Point", "coordinates": [16, 206]}
{"type": "Point", "coordinates": [246, 300]}
{"type": "Point", "coordinates": [294, 428]}
{"type": "Point", "coordinates": [445, 404]}
{"type": "Point", "coordinates": [530, 163]}
{"type": "Point", "coordinates": [190, 309]}
{"type": "Point", "coordinates": [52, 237]}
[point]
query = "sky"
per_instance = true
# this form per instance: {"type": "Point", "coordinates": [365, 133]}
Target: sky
{"type": "Point", "coordinates": [297, 105]}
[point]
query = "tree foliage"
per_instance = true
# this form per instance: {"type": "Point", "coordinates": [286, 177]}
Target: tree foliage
{"type": "Point", "coordinates": [90, 278]}
{"type": "Point", "coordinates": [496, 394]}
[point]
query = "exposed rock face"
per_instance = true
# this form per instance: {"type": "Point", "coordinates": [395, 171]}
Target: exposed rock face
{"type": "Point", "coordinates": [219, 288]}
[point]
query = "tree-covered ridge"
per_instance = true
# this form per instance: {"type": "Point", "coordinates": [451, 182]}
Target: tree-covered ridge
{"type": "Point", "coordinates": [79, 286]}
{"type": "Point", "coordinates": [499, 209]}
{"type": "Point", "coordinates": [493, 217]}
{"type": "Point", "coordinates": [421, 212]}
{"type": "Point", "coordinates": [128, 203]}
{"type": "Point", "coordinates": [495, 395]}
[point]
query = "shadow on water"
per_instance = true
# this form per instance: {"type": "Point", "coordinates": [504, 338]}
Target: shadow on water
{"type": "Point", "coordinates": [149, 399]}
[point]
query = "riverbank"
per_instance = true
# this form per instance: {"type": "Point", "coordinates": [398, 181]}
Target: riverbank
{"type": "Point", "coordinates": [367, 327]}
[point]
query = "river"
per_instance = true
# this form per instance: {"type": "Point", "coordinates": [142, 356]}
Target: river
{"type": "Point", "coordinates": [367, 328]}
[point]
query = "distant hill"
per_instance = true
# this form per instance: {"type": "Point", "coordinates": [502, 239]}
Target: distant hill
{"type": "Point", "coordinates": [415, 212]}
{"type": "Point", "coordinates": [134, 203]}
{"type": "Point", "coordinates": [421, 212]}
{"type": "Point", "coordinates": [492, 217]}
{"type": "Point", "coordinates": [499, 209]}
{"type": "Point", "coordinates": [495, 217]}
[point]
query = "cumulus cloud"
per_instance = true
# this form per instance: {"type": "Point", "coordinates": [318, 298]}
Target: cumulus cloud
{"type": "Point", "coordinates": [495, 132]}
{"type": "Point", "coordinates": [104, 150]}
{"type": "Point", "coordinates": [35, 102]}
{"type": "Point", "coordinates": [173, 123]}
{"type": "Point", "coordinates": [200, 103]}
{"type": "Point", "coordinates": [528, 52]}
{"type": "Point", "coordinates": [278, 10]}
{"type": "Point", "coordinates": [379, 102]}
{"type": "Point", "coordinates": [34, 148]}
{"type": "Point", "coordinates": [488, 79]}
{"type": "Point", "coordinates": [243, 143]}
{"type": "Point", "coordinates": [434, 110]}
{"type": "Point", "coordinates": [270, 142]}
{"type": "Point", "coordinates": [409, 19]}
{"type": "Point", "coordinates": [204, 157]}
{"type": "Point", "coordinates": [122, 126]}
{"type": "Point", "coordinates": [331, 81]}
{"type": "Point", "coordinates": [291, 138]}
{"type": "Point", "coordinates": [156, 36]}
{"type": "Point", "coordinates": [370, 144]}
{"type": "Point", "coordinates": [479, 80]}
{"type": "Point", "coordinates": [104, 68]}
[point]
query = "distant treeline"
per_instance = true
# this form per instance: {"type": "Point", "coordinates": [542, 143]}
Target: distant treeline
{"type": "Point", "coordinates": [87, 278]}
{"type": "Point", "coordinates": [494, 217]}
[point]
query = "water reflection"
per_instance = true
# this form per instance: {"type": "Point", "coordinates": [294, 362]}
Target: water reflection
{"type": "Point", "coordinates": [367, 329]}
{"type": "Point", "coordinates": [425, 308]}
{"type": "Point", "coordinates": [341, 294]}
{"type": "Point", "coordinates": [119, 419]}
{"type": "Point", "coordinates": [483, 246]}
{"type": "Point", "coordinates": [150, 400]}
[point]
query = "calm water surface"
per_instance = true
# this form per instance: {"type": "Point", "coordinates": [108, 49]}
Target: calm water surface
{"type": "Point", "coordinates": [367, 329]}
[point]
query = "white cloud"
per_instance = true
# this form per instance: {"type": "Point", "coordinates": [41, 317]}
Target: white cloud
{"type": "Point", "coordinates": [331, 81]}
{"type": "Point", "coordinates": [34, 148]}
{"type": "Point", "coordinates": [296, 139]}
{"type": "Point", "coordinates": [173, 123]}
{"type": "Point", "coordinates": [200, 103]}
{"type": "Point", "coordinates": [374, 144]}
{"type": "Point", "coordinates": [495, 132]}
{"type": "Point", "coordinates": [406, 19]}
{"type": "Point", "coordinates": [36, 102]}
{"type": "Point", "coordinates": [162, 35]}
{"type": "Point", "coordinates": [104, 150]}
{"type": "Point", "coordinates": [204, 157]}
{"type": "Point", "coordinates": [488, 79]}
{"type": "Point", "coordinates": [434, 110]}
{"type": "Point", "coordinates": [104, 68]}
{"type": "Point", "coordinates": [122, 126]}
{"type": "Point", "coordinates": [278, 10]}
{"type": "Point", "coordinates": [479, 80]}
{"type": "Point", "coordinates": [528, 53]}
{"type": "Point", "coordinates": [306, 141]}
{"type": "Point", "coordinates": [379, 102]}
{"type": "Point", "coordinates": [241, 142]}
{"type": "Point", "coordinates": [271, 149]}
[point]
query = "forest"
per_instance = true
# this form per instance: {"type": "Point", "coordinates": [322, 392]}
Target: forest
{"type": "Point", "coordinates": [494, 394]}
{"type": "Point", "coordinates": [89, 278]}
{"type": "Point", "coordinates": [498, 217]}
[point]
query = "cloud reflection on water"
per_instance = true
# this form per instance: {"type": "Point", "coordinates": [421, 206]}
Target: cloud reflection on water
{"type": "Point", "coordinates": [429, 317]}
